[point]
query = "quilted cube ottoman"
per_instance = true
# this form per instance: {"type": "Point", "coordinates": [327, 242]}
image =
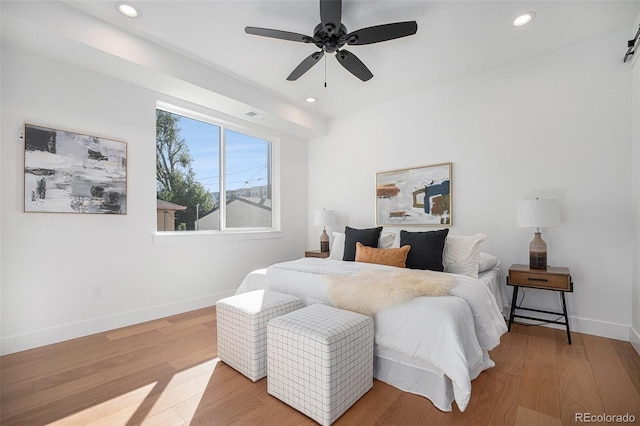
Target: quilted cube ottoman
{"type": "Point", "coordinates": [320, 360]}
{"type": "Point", "coordinates": [242, 328]}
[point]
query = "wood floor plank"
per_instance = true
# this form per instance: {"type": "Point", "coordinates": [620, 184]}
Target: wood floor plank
{"type": "Point", "coordinates": [60, 358]}
{"type": "Point", "coordinates": [616, 389]}
{"type": "Point", "coordinates": [199, 316]}
{"type": "Point", "coordinates": [166, 372]}
{"type": "Point", "coordinates": [225, 405]}
{"type": "Point", "coordinates": [372, 404]}
{"type": "Point", "coordinates": [183, 328]}
{"type": "Point", "coordinates": [33, 401]}
{"type": "Point", "coordinates": [67, 349]}
{"type": "Point", "coordinates": [194, 357]}
{"type": "Point", "coordinates": [630, 360]}
{"type": "Point", "coordinates": [167, 417]}
{"type": "Point", "coordinates": [528, 417]}
{"type": "Point", "coordinates": [176, 389]}
{"type": "Point", "coordinates": [541, 349]}
{"type": "Point", "coordinates": [511, 354]}
{"type": "Point", "coordinates": [408, 409]}
{"type": "Point", "coordinates": [498, 398]}
{"type": "Point", "coordinates": [538, 390]}
{"type": "Point", "coordinates": [137, 329]}
{"type": "Point", "coordinates": [102, 398]}
{"type": "Point", "coordinates": [575, 349]}
{"type": "Point", "coordinates": [272, 412]}
{"type": "Point", "coordinates": [577, 389]}
{"type": "Point", "coordinates": [13, 391]}
{"type": "Point", "coordinates": [188, 408]}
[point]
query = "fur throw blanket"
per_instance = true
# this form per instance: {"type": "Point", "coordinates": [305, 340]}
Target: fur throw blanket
{"type": "Point", "coordinates": [368, 292]}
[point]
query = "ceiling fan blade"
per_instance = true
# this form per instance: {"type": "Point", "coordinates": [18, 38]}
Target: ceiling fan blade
{"type": "Point", "coordinates": [282, 35]}
{"type": "Point", "coordinates": [354, 65]}
{"type": "Point", "coordinates": [305, 65]}
{"type": "Point", "coordinates": [380, 33]}
{"type": "Point", "coordinates": [331, 14]}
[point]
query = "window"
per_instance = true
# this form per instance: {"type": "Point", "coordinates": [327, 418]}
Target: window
{"type": "Point", "coordinates": [211, 177]}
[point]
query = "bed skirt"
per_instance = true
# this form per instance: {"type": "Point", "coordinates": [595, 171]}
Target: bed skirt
{"type": "Point", "coordinates": [414, 376]}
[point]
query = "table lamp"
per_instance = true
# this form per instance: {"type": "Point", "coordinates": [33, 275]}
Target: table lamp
{"type": "Point", "coordinates": [324, 218]}
{"type": "Point", "coordinates": [538, 214]}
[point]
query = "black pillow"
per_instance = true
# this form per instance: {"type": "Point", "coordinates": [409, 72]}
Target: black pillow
{"type": "Point", "coordinates": [366, 237]}
{"type": "Point", "coordinates": [426, 249]}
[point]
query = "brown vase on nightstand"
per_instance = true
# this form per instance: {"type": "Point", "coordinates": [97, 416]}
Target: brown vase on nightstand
{"type": "Point", "coordinates": [324, 242]}
{"type": "Point", "coordinates": [537, 252]}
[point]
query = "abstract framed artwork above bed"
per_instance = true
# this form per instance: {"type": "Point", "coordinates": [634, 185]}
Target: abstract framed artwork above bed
{"type": "Point", "coordinates": [414, 196]}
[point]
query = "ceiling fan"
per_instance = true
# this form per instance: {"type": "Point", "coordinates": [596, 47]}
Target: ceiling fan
{"type": "Point", "coordinates": [330, 35]}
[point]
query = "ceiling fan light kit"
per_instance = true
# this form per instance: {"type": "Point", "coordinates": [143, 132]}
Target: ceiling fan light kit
{"type": "Point", "coordinates": [330, 36]}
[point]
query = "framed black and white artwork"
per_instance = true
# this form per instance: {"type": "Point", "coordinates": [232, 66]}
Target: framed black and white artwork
{"type": "Point", "coordinates": [67, 172]}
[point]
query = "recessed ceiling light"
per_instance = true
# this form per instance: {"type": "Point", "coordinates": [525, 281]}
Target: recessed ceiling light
{"type": "Point", "coordinates": [128, 10]}
{"type": "Point", "coordinates": [523, 19]}
{"type": "Point", "coordinates": [311, 99]}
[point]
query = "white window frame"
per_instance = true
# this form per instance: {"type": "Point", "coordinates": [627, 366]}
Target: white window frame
{"type": "Point", "coordinates": [225, 233]}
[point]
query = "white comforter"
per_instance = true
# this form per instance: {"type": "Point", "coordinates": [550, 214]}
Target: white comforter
{"type": "Point", "coordinates": [451, 333]}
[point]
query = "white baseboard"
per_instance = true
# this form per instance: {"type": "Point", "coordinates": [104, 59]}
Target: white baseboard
{"type": "Point", "coordinates": [600, 328]}
{"type": "Point", "coordinates": [634, 338]}
{"type": "Point", "coordinates": [589, 326]}
{"type": "Point", "coordinates": [21, 342]}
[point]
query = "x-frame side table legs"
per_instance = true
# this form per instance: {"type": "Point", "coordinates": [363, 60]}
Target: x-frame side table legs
{"type": "Point", "coordinates": [514, 301]}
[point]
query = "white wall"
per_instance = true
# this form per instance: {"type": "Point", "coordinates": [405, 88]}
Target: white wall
{"type": "Point", "coordinates": [635, 323]}
{"type": "Point", "coordinates": [50, 261]}
{"type": "Point", "coordinates": [555, 126]}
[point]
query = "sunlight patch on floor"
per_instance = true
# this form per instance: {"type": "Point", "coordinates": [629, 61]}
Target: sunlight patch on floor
{"type": "Point", "coordinates": [130, 400]}
{"type": "Point", "coordinates": [151, 404]}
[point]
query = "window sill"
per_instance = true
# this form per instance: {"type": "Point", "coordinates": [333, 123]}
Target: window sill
{"type": "Point", "coordinates": [190, 237]}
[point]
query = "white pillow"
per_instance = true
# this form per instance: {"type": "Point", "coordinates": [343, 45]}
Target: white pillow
{"type": "Point", "coordinates": [461, 254]}
{"type": "Point", "coordinates": [386, 240]}
{"type": "Point", "coordinates": [487, 261]}
{"type": "Point", "coordinates": [337, 248]}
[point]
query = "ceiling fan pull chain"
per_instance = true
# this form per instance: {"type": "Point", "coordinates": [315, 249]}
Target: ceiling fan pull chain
{"type": "Point", "coordinates": [325, 71]}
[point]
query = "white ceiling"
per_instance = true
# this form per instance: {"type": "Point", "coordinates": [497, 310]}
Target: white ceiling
{"type": "Point", "coordinates": [455, 39]}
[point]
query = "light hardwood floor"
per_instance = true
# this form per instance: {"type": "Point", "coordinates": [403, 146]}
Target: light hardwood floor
{"type": "Point", "coordinates": [165, 372]}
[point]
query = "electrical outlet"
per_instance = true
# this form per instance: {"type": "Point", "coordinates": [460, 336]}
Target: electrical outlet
{"type": "Point", "coordinates": [97, 292]}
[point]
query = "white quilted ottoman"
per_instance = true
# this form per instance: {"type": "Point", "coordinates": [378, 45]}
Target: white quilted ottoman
{"type": "Point", "coordinates": [320, 360]}
{"type": "Point", "coordinates": [242, 328]}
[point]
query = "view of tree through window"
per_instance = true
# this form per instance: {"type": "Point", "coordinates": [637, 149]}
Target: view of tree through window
{"type": "Point", "coordinates": [189, 157]}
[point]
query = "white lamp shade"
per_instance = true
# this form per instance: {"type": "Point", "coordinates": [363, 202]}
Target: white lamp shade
{"type": "Point", "coordinates": [538, 213]}
{"type": "Point", "coordinates": [324, 217]}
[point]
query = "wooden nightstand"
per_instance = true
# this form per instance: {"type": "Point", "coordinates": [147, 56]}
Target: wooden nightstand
{"type": "Point", "coordinates": [316, 253]}
{"type": "Point", "coordinates": [552, 278]}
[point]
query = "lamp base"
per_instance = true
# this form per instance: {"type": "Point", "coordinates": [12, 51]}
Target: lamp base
{"type": "Point", "coordinates": [538, 260]}
{"type": "Point", "coordinates": [537, 252]}
{"type": "Point", "coordinates": [324, 242]}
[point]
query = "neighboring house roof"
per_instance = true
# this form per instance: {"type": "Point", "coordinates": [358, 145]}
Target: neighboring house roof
{"type": "Point", "coordinates": [241, 211]}
{"type": "Point", "coordinates": [257, 202]}
{"type": "Point", "coordinates": [252, 201]}
{"type": "Point", "coordinates": [166, 205]}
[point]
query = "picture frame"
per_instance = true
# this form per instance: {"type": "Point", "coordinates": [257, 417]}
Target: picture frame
{"type": "Point", "coordinates": [67, 172]}
{"type": "Point", "coordinates": [415, 196]}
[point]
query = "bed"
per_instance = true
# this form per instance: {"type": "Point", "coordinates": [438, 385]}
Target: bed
{"type": "Point", "coordinates": [429, 346]}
